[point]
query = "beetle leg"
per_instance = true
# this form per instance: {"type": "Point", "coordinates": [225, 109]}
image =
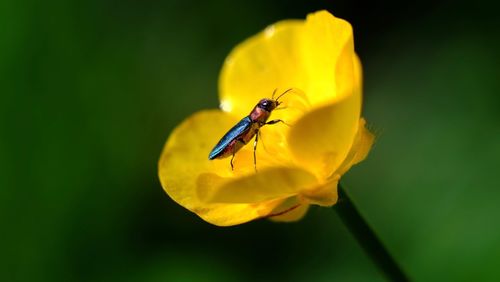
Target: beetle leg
{"type": "Point", "coordinates": [276, 121]}
{"type": "Point", "coordinates": [231, 162]}
{"type": "Point", "coordinates": [234, 152]}
{"type": "Point", "coordinates": [255, 150]}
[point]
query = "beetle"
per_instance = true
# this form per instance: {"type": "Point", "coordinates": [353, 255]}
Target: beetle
{"type": "Point", "coordinates": [248, 127]}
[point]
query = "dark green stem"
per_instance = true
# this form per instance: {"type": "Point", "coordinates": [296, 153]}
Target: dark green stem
{"type": "Point", "coordinates": [367, 238]}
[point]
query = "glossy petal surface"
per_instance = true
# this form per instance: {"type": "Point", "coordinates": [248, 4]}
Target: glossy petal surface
{"type": "Point", "coordinates": [300, 161]}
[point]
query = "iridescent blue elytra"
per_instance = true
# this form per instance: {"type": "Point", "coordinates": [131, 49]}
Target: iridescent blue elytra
{"type": "Point", "coordinates": [232, 134]}
{"type": "Point", "coordinates": [245, 130]}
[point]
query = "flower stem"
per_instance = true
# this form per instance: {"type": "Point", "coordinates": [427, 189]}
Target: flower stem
{"type": "Point", "coordinates": [366, 237]}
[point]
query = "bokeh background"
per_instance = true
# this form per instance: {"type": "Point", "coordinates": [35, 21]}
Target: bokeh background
{"type": "Point", "coordinates": [91, 89]}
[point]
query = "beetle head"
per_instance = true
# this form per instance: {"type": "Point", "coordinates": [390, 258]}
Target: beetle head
{"type": "Point", "coordinates": [271, 104]}
{"type": "Point", "coordinates": [268, 104]}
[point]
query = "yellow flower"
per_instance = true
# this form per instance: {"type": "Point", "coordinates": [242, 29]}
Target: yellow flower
{"type": "Point", "coordinates": [297, 165]}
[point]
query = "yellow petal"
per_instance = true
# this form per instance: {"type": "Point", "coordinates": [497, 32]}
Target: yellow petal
{"type": "Point", "coordinates": [254, 69]}
{"type": "Point", "coordinates": [266, 185]}
{"type": "Point", "coordinates": [315, 56]}
{"type": "Point", "coordinates": [321, 139]}
{"type": "Point", "coordinates": [184, 161]}
{"type": "Point", "coordinates": [324, 194]}
{"type": "Point", "coordinates": [327, 56]}
{"type": "Point", "coordinates": [362, 144]}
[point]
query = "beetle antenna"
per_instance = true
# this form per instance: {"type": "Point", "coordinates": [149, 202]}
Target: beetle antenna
{"type": "Point", "coordinates": [288, 90]}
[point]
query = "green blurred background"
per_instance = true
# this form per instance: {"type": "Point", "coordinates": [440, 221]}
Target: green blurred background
{"type": "Point", "coordinates": [91, 89]}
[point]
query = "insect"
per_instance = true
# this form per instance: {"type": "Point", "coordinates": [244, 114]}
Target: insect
{"type": "Point", "coordinates": [246, 129]}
